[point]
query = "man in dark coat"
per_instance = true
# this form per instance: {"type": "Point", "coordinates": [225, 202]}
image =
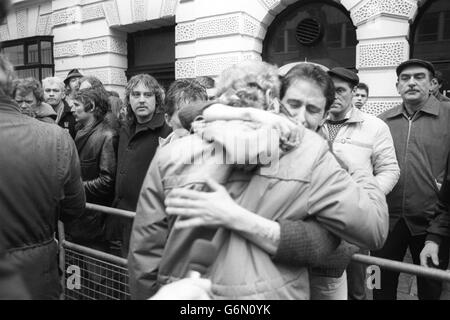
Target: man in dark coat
{"type": "Point", "coordinates": [439, 229]}
{"type": "Point", "coordinates": [138, 141]}
{"type": "Point", "coordinates": [96, 143]}
{"type": "Point", "coordinates": [39, 183]}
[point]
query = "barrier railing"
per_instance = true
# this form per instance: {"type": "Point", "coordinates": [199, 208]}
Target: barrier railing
{"type": "Point", "coordinates": [105, 276]}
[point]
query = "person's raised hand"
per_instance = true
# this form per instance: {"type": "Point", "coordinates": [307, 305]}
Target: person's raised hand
{"type": "Point", "coordinates": [200, 208]}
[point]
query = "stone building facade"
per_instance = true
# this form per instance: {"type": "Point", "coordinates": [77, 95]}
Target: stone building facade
{"type": "Point", "coordinates": [209, 35]}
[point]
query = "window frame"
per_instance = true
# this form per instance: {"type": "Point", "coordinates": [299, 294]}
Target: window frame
{"type": "Point", "coordinates": [25, 43]}
{"type": "Point", "coordinates": [271, 30]}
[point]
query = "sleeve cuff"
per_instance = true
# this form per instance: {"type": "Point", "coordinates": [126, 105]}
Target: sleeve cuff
{"type": "Point", "coordinates": [434, 237]}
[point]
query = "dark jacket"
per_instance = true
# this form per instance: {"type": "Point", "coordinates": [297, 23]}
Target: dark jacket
{"type": "Point", "coordinates": [97, 151]}
{"type": "Point", "coordinates": [96, 147]}
{"type": "Point", "coordinates": [440, 226]}
{"type": "Point", "coordinates": [137, 146]}
{"type": "Point", "coordinates": [421, 145]}
{"type": "Point", "coordinates": [67, 120]}
{"type": "Point", "coordinates": [39, 183]}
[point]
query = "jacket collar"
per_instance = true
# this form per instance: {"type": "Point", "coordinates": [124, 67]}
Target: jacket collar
{"type": "Point", "coordinates": [84, 133]}
{"type": "Point", "coordinates": [353, 116]}
{"type": "Point", "coordinates": [156, 122]}
{"type": "Point", "coordinates": [431, 107]}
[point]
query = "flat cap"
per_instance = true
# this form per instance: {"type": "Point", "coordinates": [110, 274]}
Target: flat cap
{"type": "Point", "coordinates": [415, 62]}
{"type": "Point", "coordinates": [344, 74]}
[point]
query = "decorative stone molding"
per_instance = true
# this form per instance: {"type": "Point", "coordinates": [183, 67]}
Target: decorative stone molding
{"type": "Point", "coordinates": [65, 16]}
{"type": "Point", "coordinates": [378, 107]}
{"type": "Point", "coordinates": [185, 32]}
{"type": "Point", "coordinates": [21, 22]}
{"type": "Point", "coordinates": [67, 49]}
{"type": "Point", "coordinates": [239, 23]}
{"type": "Point", "coordinates": [49, 26]}
{"type": "Point", "coordinates": [371, 8]}
{"type": "Point", "coordinates": [210, 65]}
{"type": "Point", "coordinates": [138, 10]}
{"type": "Point", "coordinates": [103, 45]}
{"type": "Point", "coordinates": [111, 13]}
{"type": "Point", "coordinates": [271, 4]}
{"type": "Point", "coordinates": [4, 32]}
{"type": "Point", "coordinates": [44, 24]}
{"type": "Point", "coordinates": [93, 12]}
{"type": "Point", "coordinates": [108, 76]}
{"type": "Point", "coordinates": [185, 68]}
{"type": "Point", "coordinates": [215, 65]}
{"type": "Point", "coordinates": [169, 7]}
{"type": "Point", "coordinates": [86, 2]}
{"type": "Point", "coordinates": [382, 54]}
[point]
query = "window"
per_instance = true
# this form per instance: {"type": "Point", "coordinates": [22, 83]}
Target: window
{"type": "Point", "coordinates": [31, 57]}
{"type": "Point", "coordinates": [316, 31]}
{"type": "Point", "coordinates": [153, 52]}
{"type": "Point", "coordinates": [430, 37]}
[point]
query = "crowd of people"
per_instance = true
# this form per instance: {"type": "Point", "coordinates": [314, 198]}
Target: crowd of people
{"type": "Point", "coordinates": [318, 179]}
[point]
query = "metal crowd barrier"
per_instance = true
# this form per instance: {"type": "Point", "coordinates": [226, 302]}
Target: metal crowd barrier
{"type": "Point", "coordinates": [105, 276]}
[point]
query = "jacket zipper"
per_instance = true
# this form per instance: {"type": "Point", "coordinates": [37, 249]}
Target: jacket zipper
{"type": "Point", "coordinates": [404, 163]}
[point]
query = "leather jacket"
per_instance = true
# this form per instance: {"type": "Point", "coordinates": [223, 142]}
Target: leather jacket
{"type": "Point", "coordinates": [96, 147]}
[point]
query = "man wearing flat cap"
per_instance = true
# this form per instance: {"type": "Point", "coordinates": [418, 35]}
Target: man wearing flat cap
{"type": "Point", "coordinates": [420, 129]}
{"type": "Point", "coordinates": [366, 143]}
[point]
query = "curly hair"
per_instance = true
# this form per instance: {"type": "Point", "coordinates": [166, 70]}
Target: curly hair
{"type": "Point", "coordinates": [314, 73]}
{"type": "Point", "coordinates": [93, 99]}
{"type": "Point", "coordinates": [152, 84]}
{"type": "Point", "coordinates": [27, 85]}
{"type": "Point", "coordinates": [249, 84]}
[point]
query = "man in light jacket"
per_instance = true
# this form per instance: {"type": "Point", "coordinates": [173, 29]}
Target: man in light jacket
{"type": "Point", "coordinates": [366, 142]}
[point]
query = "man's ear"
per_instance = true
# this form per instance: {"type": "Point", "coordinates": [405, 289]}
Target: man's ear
{"type": "Point", "coordinates": [396, 86]}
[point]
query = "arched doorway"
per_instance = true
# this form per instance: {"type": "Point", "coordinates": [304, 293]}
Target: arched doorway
{"type": "Point", "coordinates": [316, 31]}
{"type": "Point", "coordinates": [430, 37]}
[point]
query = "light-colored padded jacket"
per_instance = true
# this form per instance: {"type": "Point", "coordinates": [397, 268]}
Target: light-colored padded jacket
{"type": "Point", "coordinates": [367, 142]}
{"type": "Point", "coordinates": [308, 181]}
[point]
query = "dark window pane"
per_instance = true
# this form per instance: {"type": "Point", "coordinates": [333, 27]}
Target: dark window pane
{"type": "Point", "coordinates": [334, 36]}
{"type": "Point", "coordinates": [47, 72]}
{"type": "Point", "coordinates": [335, 47]}
{"type": "Point", "coordinates": [33, 54]}
{"type": "Point", "coordinates": [15, 55]}
{"type": "Point", "coordinates": [46, 52]}
{"type": "Point", "coordinates": [432, 37]}
{"type": "Point", "coordinates": [446, 31]}
{"type": "Point", "coordinates": [157, 48]}
{"type": "Point", "coordinates": [25, 73]}
{"type": "Point", "coordinates": [428, 28]}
